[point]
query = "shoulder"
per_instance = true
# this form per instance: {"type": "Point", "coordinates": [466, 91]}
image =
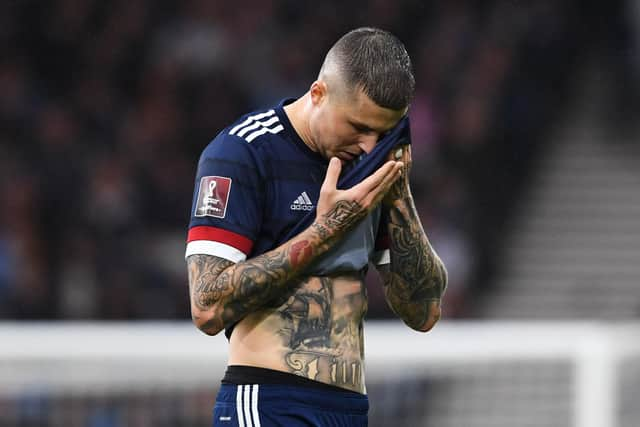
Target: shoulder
{"type": "Point", "coordinates": [253, 126]}
{"type": "Point", "coordinates": [245, 137]}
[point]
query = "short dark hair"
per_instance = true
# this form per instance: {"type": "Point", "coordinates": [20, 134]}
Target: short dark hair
{"type": "Point", "coordinates": [377, 62]}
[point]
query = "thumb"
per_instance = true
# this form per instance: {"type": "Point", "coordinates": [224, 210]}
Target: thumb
{"type": "Point", "coordinates": [333, 173]}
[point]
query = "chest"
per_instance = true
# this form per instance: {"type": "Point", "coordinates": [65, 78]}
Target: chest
{"type": "Point", "coordinates": [288, 202]}
{"type": "Point", "coordinates": [291, 190]}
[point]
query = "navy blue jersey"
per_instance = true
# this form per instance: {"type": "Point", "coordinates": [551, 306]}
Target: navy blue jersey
{"type": "Point", "coordinates": [255, 181]}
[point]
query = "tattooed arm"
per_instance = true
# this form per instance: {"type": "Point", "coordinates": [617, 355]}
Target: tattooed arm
{"type": "Point", "coordinates": [416, 278]}
{"type": "Point", "coordinates": [222, 293]}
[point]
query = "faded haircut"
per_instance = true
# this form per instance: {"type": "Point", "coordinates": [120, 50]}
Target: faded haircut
{"type": "Point", "coordinates": [376, 62]}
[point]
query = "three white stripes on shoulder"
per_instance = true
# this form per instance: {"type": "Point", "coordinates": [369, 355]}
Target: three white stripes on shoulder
{"type": "Point", "coordinates": [253, 126]}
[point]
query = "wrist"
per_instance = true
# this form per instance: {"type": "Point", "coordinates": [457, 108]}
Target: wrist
{"type": "Point", "coordinates": [320, 230]}
{"type": "Point", "coordinates": [398, 195]}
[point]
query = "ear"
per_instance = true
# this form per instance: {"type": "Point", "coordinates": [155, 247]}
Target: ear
{"type": "Point", "coordinates": [318, 91]}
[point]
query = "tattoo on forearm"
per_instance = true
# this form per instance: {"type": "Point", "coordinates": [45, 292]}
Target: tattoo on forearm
{"type": "Point", "coordinates": [335, 223]}
{"type": "Point", "coordinates": [203, 271]}
{"type": "Point", "coordinates": [300, 251]}
{"type": "Point", "coordinates": [235, 290]}
{"type": "Point", "coordinates": [255, 282]}
{"type": "Point", "coordinates": [321, 230]}
{"type": "Point", "coordinates": [417, 274]}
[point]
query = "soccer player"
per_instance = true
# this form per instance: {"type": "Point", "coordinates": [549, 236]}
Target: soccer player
{"type": "Point", "coordinates": [293, 307]}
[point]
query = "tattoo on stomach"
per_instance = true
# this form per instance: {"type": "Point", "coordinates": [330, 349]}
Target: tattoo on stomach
{"type": "Point", "coordinates": [329, 369]}
{"type": "Point", "coordinates": [322, 329]}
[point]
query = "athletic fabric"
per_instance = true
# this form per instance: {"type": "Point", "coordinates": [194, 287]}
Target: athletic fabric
{"type": "Point", "coordinates": [255, 182]}
{"type": "Point", "coordinates": [268, 405]}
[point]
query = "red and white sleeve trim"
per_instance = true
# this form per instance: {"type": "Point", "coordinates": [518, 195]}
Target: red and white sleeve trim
{"type": "Point", "coordinates": [204, 240]}
{"type": "Point", "coordinates": [206, 247]}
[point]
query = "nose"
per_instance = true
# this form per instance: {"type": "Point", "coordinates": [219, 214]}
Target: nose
{"type": "Point", "coordinates": [367, 142]}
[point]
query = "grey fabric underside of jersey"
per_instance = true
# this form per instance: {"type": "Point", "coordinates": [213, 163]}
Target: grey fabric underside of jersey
{"type": "Point", "coordinates": [353, 252]}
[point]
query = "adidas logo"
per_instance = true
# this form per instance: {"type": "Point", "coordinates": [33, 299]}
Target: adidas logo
{"type": "Point", "coordinates": [302, 203]}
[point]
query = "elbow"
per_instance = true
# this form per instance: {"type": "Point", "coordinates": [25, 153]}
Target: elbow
{"type": "Point", "coordinates": [433, 309]}
{"type": "Point", "coordinates": [433, 316]}
{"type": "Point", "coordinates": [207, 322]}
{"type": "Point", "coordinates": [428, 325]}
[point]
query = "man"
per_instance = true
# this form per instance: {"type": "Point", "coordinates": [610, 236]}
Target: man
{"type": "Point", "coordinates": [293, 308]}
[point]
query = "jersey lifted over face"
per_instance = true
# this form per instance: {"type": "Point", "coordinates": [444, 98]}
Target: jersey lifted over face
{"type": "Point", "coordinates": [255, 181]}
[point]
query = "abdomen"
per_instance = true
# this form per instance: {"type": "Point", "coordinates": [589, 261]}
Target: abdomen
{"type": "Point", "coordinates": [316, 333]}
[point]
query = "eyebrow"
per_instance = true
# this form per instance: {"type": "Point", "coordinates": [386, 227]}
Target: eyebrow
{"type": "Point", "coordinates": [363, 126]}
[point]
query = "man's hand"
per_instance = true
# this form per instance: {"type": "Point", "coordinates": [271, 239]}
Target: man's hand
{"type": "Point", "coordinates": [338, 210]}
{"type": "Point", "coordinates": [400, 188]}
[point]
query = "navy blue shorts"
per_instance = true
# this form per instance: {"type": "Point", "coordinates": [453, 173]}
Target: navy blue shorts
{"type": "Point", "coordinates": [271, 405]}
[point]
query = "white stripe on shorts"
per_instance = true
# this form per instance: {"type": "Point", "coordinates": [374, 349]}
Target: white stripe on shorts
{"type": "Point", "coordinates": [254, 406]}
{"type": "Point", "coordinates": [247, 405]}
{"type": "Point", "coordinates": [239, 407]}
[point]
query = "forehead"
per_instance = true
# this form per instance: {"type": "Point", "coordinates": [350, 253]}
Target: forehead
{"type": "Point", "coordinates": [359, 109]}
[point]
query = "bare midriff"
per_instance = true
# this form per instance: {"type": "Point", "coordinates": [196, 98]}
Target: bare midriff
{"type": "Point", "coordinates": [316, 333]}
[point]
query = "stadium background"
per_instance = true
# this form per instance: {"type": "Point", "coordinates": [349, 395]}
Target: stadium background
{"type": "Point", "coordinates": [525, 130]}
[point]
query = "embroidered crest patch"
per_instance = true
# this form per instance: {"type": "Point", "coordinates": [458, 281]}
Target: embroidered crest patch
{"type": "Point", "coordinates": [213, 196]}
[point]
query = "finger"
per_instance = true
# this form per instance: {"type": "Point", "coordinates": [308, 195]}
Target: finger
{"type": "Point", "coordinates": [373, 197]}
{"type": "Point", "coordinates": [389, 179]}
{"type": "Point", "coordinates": [376, 178]}
{"type": "Point", "coordinates": [333, 173]}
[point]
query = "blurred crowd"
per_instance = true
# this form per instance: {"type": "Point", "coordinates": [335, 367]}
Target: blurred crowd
{"type": "Point", "coordinates": [105, 107]}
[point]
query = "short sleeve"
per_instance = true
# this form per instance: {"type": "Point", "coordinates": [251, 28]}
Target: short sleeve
{"type": "Point", "coordinates": [226, 212]}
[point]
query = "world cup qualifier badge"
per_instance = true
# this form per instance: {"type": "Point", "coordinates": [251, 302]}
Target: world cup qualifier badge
{"type": "Point", "coordinates": [213, 196]}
